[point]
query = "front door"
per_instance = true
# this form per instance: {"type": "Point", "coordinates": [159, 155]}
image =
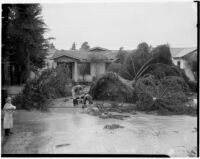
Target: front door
{"type": "Point", "coordinates": [67, 66]}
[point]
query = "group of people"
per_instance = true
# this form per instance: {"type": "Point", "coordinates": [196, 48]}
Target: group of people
{"type": "Point", "coordinates": [79, 96]}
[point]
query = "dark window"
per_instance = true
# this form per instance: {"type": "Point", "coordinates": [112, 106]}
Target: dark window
{"type": "Point", "coordinates": [107, 65]}
{"type": "Point", "coordinates": [84, 68]}
{"type": "Point", "coordinates": [179, 63]}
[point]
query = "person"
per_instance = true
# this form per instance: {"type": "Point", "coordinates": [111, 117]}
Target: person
{"type": "Point", "coordinates": [87, 100]}
{"type": "Point", "coordinates": [8, 116]}
{"type": "Point", "coordinates": [75, 94]}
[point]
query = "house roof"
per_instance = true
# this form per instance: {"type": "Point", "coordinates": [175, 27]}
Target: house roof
{"type": "Point", "coordinates": [181, 52]}
{"type": "Point", "coordinates": [83, 55]}
{"type": "Point", "coordinates": [110, 55]}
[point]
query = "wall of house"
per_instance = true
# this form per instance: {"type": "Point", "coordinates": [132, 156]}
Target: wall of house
{"type": "Point", "coordinates": [74, 66]}
{"type": "Point", "coordinates": [96, 70]}
{"type": "Point", "coordinates": [185, 66]}
{"type": "Point", "coordinates": [188, 70]}
{"type": "Point", "coordinates": [175, 61]}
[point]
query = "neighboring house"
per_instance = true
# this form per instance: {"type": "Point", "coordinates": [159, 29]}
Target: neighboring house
{"type": "Point", "coordinates": [181, 58]}
{"type": "Point", "coordinates": [95, 61]}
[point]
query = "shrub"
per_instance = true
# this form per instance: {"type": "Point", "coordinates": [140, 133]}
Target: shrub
{"type": "Point", "coordinates": [193, 86]}
{"type": "Point", "coordinates": [18, 100]}
{"type": "Point", "coordinates": [162, 54]}
{"type": "Point", "coordinates": [122, 56]}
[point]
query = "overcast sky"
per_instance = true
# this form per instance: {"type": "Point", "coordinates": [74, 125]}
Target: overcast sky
{"type": "Point", "coordinates": [112, 25]}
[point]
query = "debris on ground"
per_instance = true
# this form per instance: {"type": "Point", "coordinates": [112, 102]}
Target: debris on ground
{"type": "Point", "coordinates": [114, 116]}
{"type": "Point", "coordinates": [121, 108]}
{"type": "Point", "coordinates": [66, 100]}
{"type": "Point", "coordinates": [113, 126]}
{"type": "Point", "coordinates": [61, 145]}
{"type": "Point", "coordinates": [195, 130]}
{"type": "Point", "coordinates": [114, 110]}
{"type": "Point", "coordinates": [95, 111]}
{"type": "Point", "coordinates": [193, 152]}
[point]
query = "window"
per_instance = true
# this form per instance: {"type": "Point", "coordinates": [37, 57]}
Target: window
{"type": "Point", "coordinates": [179, 63]}
{"type": "Point", "coordinates": [107, 65]}
{"type": "Point", "coordinates": [84, 68]}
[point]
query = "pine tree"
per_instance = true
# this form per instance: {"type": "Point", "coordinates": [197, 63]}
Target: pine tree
{"type": "Point", "coordinates": [73, 46]}
{"type": "Point", "coordinates": [25, 41]}
{"type": "Point", "coordinates": [5, 55]}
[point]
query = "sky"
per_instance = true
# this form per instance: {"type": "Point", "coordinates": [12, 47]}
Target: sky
{"type": "Point", "coordinates": [115, 25]}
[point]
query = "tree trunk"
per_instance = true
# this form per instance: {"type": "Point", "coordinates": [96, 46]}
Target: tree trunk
{"type": "Point", "coordinates": [3, 74]}
{"type": "Point", "coordinates": [11, 74]}
{"type": "Point", "coordinates": [27, 64]}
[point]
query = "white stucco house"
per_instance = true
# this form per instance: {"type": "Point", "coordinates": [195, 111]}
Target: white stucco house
{"type": "Point", "coordinates": [95, 61]}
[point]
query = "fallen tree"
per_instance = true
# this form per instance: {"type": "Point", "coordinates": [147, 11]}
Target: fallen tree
{"type": "Point", "coordinates": [50, 84]}
{"type": "Point", "coordinates": [155, 83]}
{"type": "Point", "coordinates": [166, 96]}
{"type": "Point", "coordinates": [113, 87]}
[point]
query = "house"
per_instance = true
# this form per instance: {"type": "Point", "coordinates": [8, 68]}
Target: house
{"type": "Point", "coordinates": [85, 65]}
{"type": "Point", "coordinates": [182, 57]}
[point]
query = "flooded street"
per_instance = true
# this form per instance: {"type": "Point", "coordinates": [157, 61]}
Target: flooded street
{"type": "Point", "coordinates": [68, 130]}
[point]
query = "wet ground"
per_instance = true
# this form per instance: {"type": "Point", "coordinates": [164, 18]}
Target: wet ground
{"type": "Point", "coordinates": [65, 129]}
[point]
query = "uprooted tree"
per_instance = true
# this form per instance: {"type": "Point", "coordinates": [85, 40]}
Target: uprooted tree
{"type": "Point", "coordinates": [165, 95]}
{"type": "Point", "coordinates": [52, 83]}
{"type": "Point", "coordinates": [154, 81]}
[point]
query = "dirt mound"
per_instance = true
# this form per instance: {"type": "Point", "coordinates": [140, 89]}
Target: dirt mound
{"type": "Point", "coordinates": [113, 87]}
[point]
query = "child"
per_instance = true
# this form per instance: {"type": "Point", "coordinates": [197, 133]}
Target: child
{"type": "Point", "coordinates": [8, 116]}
